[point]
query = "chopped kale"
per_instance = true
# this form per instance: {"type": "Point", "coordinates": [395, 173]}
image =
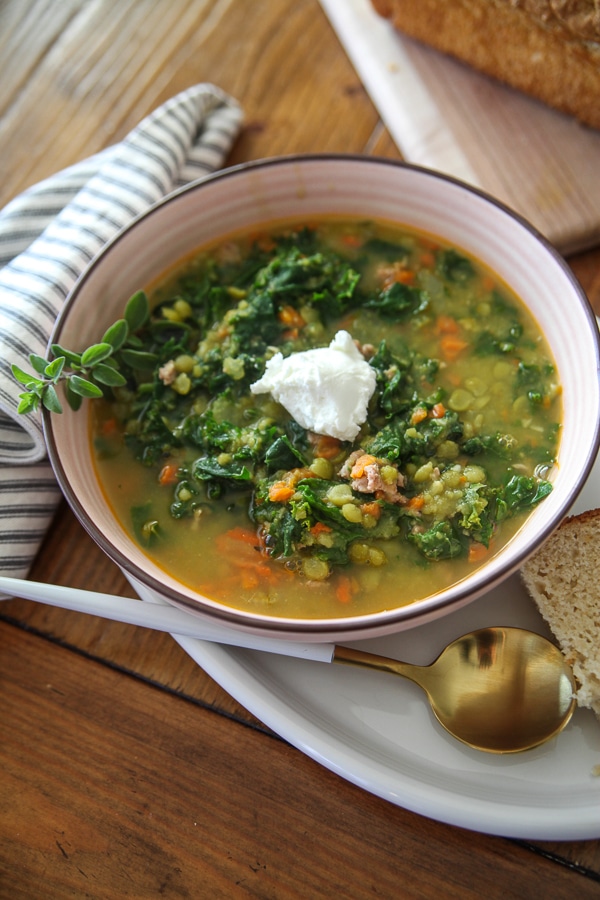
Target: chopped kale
{"type": "Point", "coordinates": [398, 302]}
{"type": "Point", "coordinates": [439, 542]}
{"type": "Point", "coordinates": [455, 267]}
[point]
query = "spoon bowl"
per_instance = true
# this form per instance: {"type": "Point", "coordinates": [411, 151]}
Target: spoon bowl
{"type": "Point", "coordinates": [501, 690]}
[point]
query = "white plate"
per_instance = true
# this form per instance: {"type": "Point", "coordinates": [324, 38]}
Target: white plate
{"type": "Point", "coordinates": [378, 732]}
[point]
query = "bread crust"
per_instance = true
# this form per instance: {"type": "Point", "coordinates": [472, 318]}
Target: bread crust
{"type": "Point", "coordinates": [562, 579]}
{"type": "Point", "coordinates": [549, 49]}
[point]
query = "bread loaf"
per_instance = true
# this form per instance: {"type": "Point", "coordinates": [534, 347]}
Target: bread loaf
{"type": "Point", "coordinates": [549, 49]}
{"type": "Point", "coordinates": [563, 580]}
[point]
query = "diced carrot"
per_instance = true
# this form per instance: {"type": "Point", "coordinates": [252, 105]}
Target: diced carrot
{"type": "Point", "coordinates": [452, 346]}
{"type": "Point", "coordinates": [427, 259]}
{"type": "Point", "coordinates": [343, 589]}
{"type": "Point", "coordinates": [168, 474]}
{"type": "Point", "coordinates": [405, 276]}
{"type": "Point", "coordinates": [352, 240]}
{"type": "Point", "coordinates": [419, 414]}
{"type": "Point", "coordinates": [287, 315]}
{"type": "Point", "coordinates": [447, 325]}
{"type": "Point", "coordinates": [320, 528]}
{"type": "Point", "coordinates": [416, 503]}
{"type": "Point", "coordinates": [265, 242]}
{"type": "Point", "coordinates": [358, 469]}
{"type": "Point", "coordinates": [438, 411]}
{"type": "Point", "coordinates": [371, 509]}
{"type": "Point", "coordinates": [109, 427]}
{"type": "Point", "coordinates": [326, 447]}
{"type": "Point", "coordinates": [394, 273]}
{"type": "Point", "coordinates": [477, 552]}
{"type": "Point", "coordinates": [280, 492]}
{"type": "Point", "coordinates": [290, 334]}
{"type": "Point", "coordinates": [245, 535]}
{"type": "Point", "coordinates": [487, 283]}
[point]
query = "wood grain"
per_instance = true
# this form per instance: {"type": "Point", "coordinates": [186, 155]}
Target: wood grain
{"type": "Point", "coordinates": [125, 770]}
{"type": "Point", "coordinates": [114, 788]}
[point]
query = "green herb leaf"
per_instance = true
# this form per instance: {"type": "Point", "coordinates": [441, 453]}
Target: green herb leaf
{"type": "Point", "coordinates": [54, 369]}
{"type": "Point", "coordinates": [137, 311]}
{"type": "Point", "coordinates": [117, 334]}
{"type": "Point", "coordinates": [50, 399]}
{"type": "Point", "coordinates": [83, 387]}
{"type": "Point", "coordinates": [74, 400]}
{"type": "Point", "coordinates": [73, 358]}
{"type": "Point", "coordinates": [138, 359]}
{"type": "Point", "coordinates": [28, 403]}
{"type": "Point", "coordinates": [109, 375]}
{"type": "Point", "coordinates": [95, 354]}
{"type": "Point", "coordinates": [25, 378]}
{"type": "Point", "coordinates": [38, 363]}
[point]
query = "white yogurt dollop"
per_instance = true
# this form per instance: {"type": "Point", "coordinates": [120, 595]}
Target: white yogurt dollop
{"type": "Point", "coordinates": [326, 390]}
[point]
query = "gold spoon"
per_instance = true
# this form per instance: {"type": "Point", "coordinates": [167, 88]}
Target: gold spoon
{"type": "Point", "coordinates": [497, 689]}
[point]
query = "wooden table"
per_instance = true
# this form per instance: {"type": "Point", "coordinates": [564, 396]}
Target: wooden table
{"type": "Point", "coordinates": [125, 770]}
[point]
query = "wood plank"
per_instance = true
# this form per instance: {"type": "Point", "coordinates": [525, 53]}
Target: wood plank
{"type": "Point", "coordinates": [179, 801]}
{"type": "Point", "coordinates": [112, 64]}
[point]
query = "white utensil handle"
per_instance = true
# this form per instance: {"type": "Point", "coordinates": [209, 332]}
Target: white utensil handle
{"type": "Point", "coordinates": [158, 617]}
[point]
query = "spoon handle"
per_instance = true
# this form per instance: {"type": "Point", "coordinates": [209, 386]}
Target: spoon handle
{"type": "Point", "coordinates": [350, 657]}
{"type": "Point", "coordinates": [158, 616]}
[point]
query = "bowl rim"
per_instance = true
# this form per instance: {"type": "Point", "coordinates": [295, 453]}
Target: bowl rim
{"type": "Point", "coordinates": [371, 624]}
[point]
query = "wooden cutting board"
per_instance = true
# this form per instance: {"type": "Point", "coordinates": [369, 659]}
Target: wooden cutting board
{"type": "Point", "coordinates": [446, 116]}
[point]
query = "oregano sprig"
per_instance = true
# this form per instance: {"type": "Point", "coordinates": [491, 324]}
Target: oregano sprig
{"type": "Point", "coordinates": [88, 373]}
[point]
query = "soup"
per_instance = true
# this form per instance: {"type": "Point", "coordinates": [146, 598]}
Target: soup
{"type": "Point", "coordinates": [245, 502]}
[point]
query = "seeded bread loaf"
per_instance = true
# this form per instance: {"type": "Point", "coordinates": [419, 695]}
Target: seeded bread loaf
{"type": "Point", "coordinates": [562, 578]}
{"type": "Point", "coordinates": [549, 49]}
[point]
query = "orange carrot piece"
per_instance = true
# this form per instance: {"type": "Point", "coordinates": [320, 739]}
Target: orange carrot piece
{"type": "Point", "coordinates": [358, 469]}
{"type": "Point", "coordinates": [438, 411]}
{"type": "Point", "coordinates": [447, 325]}
{"type": "Point", "coordinates": [343, 589]}
{"type": "Point", "coordinates": [280, 492]}
{"type": "Point", "coordinates": [405, 276]}
{"type": "Point", "coordinates": [168, 474]}
{"type": "Point", "coordinates": [418, 415]}
{"type": "Point", "coordinates": [320, 528]}
{"type": "Point", "coordinates": [352, 240]}
{"type": "Point", "coordinates": [371, 509]}
{"type": "Point", "coordinates": [245, 535]}
{"type": "Point", "coordinates": [477, 552]}
{"type": "Point", "coordinates": [427, 259]}
{"type": "Point", "coordinates": [452, 346]}
{"type": "Point", "coordinates": [109, 427]}
{"type": "Point", "coordinates": [416, 503]}
{"type": "Point", "coordinates": [288, 315]}
{"type": "Point", "coordinates": [326, 447]}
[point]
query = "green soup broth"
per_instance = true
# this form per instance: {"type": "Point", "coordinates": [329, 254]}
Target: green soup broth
{"type": "Point", "coordinates": [228, 494]}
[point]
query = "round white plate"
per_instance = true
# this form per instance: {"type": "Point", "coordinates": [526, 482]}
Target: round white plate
{"type": "Point", "coordinates": [378, 732]}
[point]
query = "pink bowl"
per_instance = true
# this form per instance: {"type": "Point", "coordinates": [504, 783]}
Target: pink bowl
{"type": "Point", "coordinates": [257, 194]}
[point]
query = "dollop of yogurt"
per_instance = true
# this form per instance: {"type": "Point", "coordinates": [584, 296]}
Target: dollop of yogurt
{"type": "Point", "coordinates": [326, 390]}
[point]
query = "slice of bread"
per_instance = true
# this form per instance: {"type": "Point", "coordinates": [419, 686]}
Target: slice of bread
{"type": "Point", "coordinates": [564, 581]}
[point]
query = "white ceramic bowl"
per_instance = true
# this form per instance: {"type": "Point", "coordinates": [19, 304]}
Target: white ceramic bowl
{"type": "Point", "coordinates": [295, 187]}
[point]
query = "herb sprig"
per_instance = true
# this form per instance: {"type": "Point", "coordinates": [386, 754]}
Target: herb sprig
{"type": "Point", "coordinates": [89, 373]}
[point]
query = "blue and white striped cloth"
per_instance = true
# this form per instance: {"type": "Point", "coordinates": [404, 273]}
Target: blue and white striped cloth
{"type": "Point", "coordinates": [48, 235]}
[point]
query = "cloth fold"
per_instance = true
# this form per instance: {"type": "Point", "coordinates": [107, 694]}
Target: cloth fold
{"type": "Point", "coordinates": [48, 235]}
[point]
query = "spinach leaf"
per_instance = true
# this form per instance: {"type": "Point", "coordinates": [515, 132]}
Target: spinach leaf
{"type": "Point", "coordinates": [282, 454]}
{"type": "Point", "coordinates": [206, 468]}
{"type": "Point", "coordinates": [398, 302]}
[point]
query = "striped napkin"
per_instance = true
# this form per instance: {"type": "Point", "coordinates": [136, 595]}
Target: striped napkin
{"type": "Point", "coordinates": [48, 235]}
